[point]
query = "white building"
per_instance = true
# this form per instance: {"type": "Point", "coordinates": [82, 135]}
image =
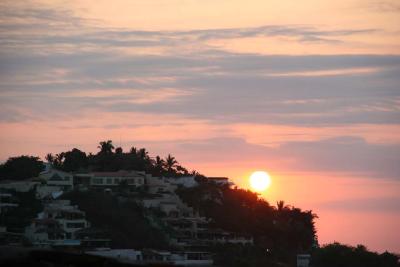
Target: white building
{"type": "Point", "coordinates": [159, 185]}
{"type": "Point", "coordinates": [121, 255]}
{"type": "Point", "coordinates": [303, 260]}
{"type": "Point", "coordinates": [70, 218]}
{"type": "Point", "coordinates": [184, 258]}
{"type": "Point", "coordinates": [56, 178]}
{"type": "Point", "coordinates": [19, 186]}
{"type": "Point", "coordinates": [113, 179]}
{"type": "Point", "coordinates": [7, 202]}
{"type": "Point", "coordinates": [220, 180]}
{"type": "Point", "coordinates": [185, 181]}
{"type": "Point", "coordinates": [56, 225]}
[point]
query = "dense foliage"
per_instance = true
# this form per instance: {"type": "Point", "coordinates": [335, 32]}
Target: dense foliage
{"type": "Point", "coordinates": [21, 168]}
{"type": "Point", "coordinates": [123, 221]}
{"type": "Point", "coordinates": [110, 158]}
{"type": "Point", "coordinates": [16, 219]}
{"type": "Point", "coordinates": [281, 232]}
{"type": "Point", "coordinates": [338, 255]}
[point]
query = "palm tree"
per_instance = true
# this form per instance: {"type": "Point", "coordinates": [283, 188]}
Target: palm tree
{"type": "Point", "coordinates": [58, 159]}
{"type": "Point", "coordinates": [182, 170]}
{"type": "Point", "coordinates": [143, 154]}
{"type": "Point", "coordinates": [159, 164]}
{"type": "Point", "coordinates": [133, 150]}
{"type": "Point", "coordinates": [106, 147]}
{"type": "Point", "coordinates": [280, 205]}
{"type": "Point", "coordinates": [50, 158]}
{"type": "Point", "coordinates": [170, 163]}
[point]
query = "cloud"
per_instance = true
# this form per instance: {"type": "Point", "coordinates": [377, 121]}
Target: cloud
{"type": "Point", "coordinates": [45, 29]}
{"type": "Point", "coordinates": [230, 88]}
{"type": "Point", "coordinates": [385, 6]}
{"type": "Point", "coordinates": [348, 155]}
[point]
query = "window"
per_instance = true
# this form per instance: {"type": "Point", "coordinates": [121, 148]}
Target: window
{"type": "Point", "coordinates": [76, 225]}
{"type": "Point", "coordinates": [116, 181]}
{"type": "Point", "coordinates": [109, 180]}
{"type": "Point", "coordinates": [66, 178]}
{"type": "Point", "coordinates": [97, 181]}
{"type": "Point", "coordinates": [131, 181]}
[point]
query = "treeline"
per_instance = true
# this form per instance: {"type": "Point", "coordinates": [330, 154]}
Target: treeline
{"type": "Point", "coordinates": [336, 254]}
{"type": "Point", "coordinates": [108, 158]}
{"type": "Point", "coordinates": [21, 168]}
{"type": "Point", "coordinates": [124, 222]}
{"type": "Point", "coordinates": [17, 218]}
{"type": "Point", "coordinates": [280, 231]}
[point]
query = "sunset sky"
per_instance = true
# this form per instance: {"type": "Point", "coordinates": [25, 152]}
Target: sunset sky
{"type": "Point", "coordinates": [306, 90]}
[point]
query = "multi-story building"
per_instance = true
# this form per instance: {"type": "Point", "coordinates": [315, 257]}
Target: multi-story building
{"type": "Point", "coordinates": [44, 232]}
{"type": "Point", "coordinates": [57, 179]}
{"type": "Point", "coordinates": [113, 179]}
{"type": "Point", "coordinates": [220, 180]}
{"type": "Point", "coordinates": [56, 225]}
{"type": "Point", "coordinates": [7, 202]}
{"type": "Point", "coordinates": [70, 218]}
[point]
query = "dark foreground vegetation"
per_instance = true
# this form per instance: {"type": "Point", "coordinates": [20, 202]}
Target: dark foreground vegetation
{"type": "Point", "coordinates": [18, 218]}
{"type": "Point", "coordinates": [122, 220]}
{"type": "Point", "coordinates": [338, 255]}
{"type": "Point", "coordinates": [280, 232]}
{"type": "Point", "coordinates": [24, 257]}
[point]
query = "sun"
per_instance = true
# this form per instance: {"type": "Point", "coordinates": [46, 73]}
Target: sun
{"type": "Point", "coordinates": [260, 180]}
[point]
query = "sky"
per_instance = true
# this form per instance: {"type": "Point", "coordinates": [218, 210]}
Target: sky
{"type": "Point", "coordinates": [306, 90]}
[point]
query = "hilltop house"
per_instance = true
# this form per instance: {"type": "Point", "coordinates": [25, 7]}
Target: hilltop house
{"type": "Point", "coordinates": [182, 258]}
{"type": "Point", "coordinates": [19, 186]}
{"type": "Point", "coordinates": [56, 225]}
{"type": "Point", "coordinates": [132, 179]}
{"type": "Point", "coordinates": [54, 179]}
{"type": "Point", "coordinates": [220, 180]}
{"type": "Point", "coordinates": [185, 181]}
{"type": "Point", "coordinates": [7, 202]}
{"type": "Point", "coordinates": [159, 185]}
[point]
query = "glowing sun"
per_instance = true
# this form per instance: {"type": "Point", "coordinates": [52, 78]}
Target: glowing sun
{"type": "Point", "coordinates": [260, 180]}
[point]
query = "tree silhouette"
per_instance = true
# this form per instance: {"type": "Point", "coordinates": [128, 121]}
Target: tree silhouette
{"type": "Point", "coordinates": [20, 168]}
{"type": "Point", "coordinates": [119, 150]}
{"type": "Point", "coordinates": [50, 158]}
{"type": "Point", "coordinates": [106, 147]}
{"type": "Point", "coordinates": [170, 163]}
{"type": "Point", "coordinates": [158, 164]}
{"type": "Point", "coordinates": [74, 160]}
{"type": "Point", "coordinates": [280, 205]}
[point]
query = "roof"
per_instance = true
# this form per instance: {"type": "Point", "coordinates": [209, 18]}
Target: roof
{"type": "Point", "coordinates": [218, 178]}
{"type": "Point", "coordinates": [50, 230]}
{"type": "Point", "coordinates": [56, 177]}
{"type": "Point", "coordinates": [156, 252]}
{"type": "Point", "coordinates": [213, 231]}
{"type": "Point", "coordinates": [45, 221]}
{"type": "Point", "coordinates": [118, 174]}
{"type": "Point", "coordinates": [64, 210]}
{"type": "Point", "coordinates": [90, 230]}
